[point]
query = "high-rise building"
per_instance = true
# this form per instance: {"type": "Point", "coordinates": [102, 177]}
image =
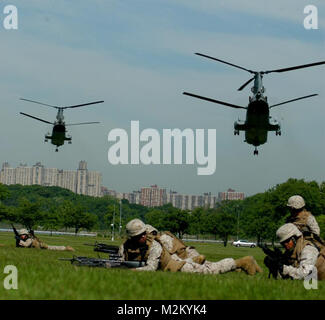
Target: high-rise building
{"type": "Point", "coordinates": [230, 194]}
{"type": "Point", "coordinates": [67, 179]}
{"type": "Point", "coordinates": [50, 177]}
{"type": "Point", "coordinates": [82, 178]}
{"type": "Point", "coordinates": [81, 181]}
{"type": "Point", "coordinates": [190, 202]}
{"type": "Point", "coordinates": [94, 183]}
{"type": "Point", "coordinates": [38, 173]}
{"type": "Point", "coordinates": [153, 196]}
{"type": "Point", "coordinates": [7, 174]}
{"type": "Point", "coordinates": [24, 175]}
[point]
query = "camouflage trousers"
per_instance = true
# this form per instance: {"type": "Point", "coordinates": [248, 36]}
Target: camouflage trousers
{"type": "Point", "coordinates": [208, 267]}
{"type": "Point", "coordinates": [191, 252]}
{"type": "Point", "coordinates": [59, 248]}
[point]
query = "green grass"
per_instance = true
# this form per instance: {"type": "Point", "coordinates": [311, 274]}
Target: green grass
{"type": "Point", "coordinates": [42, 276]}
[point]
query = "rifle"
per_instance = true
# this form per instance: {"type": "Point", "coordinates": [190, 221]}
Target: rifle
{"type": "Point", "coordinates": [31, 231]}
{"type": "Point", "coordinates": [17, 237]}
{"type": "Point", "coordinates": [274, 260]}
{"type": "Point", "coordinates": [103, 263]}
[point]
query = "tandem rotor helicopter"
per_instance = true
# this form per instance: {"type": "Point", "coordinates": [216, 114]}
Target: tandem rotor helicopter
{"type": "Point", "coordinates": [58, 136]}
{"type": "Point", "coordinates": [258, 121]}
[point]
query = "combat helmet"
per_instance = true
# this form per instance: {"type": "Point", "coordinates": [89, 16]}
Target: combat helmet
{"type": "Point", "coordinates": [135, 227]}
{"type": "Point", "coordinates": [151, 229]}
{"type": "Point", "coordinates": [296, 202]}
{"type": "Point", "coordinates": [287, 231]}
{"type": "Point", "coordinates": [22, 231]}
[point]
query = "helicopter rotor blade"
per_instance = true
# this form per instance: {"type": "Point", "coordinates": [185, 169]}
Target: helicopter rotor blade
{"type": "Point", "coordinates": [215, 101]}
{"type": "Point", "coordinates": [43, 104]}
{"type": "Point", "coordinates": [296, 67]}
{"type": "Point", "coordinates": [84, 104]}
{"type": "Point", "coordinates": [305, 97]}
{"type": "Point", "coordinates": [77, 124]}
{"type": "Point", "coordinates": [245, 84]}
{"type": "Point", "coordinates": [230, 64]}
{"type": "Point", "coordinates": [28, 115]}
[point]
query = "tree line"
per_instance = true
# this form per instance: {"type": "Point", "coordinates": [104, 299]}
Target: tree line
{"type": "Point", "coordinates": [255, 217]}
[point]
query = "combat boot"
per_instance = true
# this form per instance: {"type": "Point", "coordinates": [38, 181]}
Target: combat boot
{"type": "Point", "coordinates": [68, 248]}
{"type": "Point", "coordinates": [199, 259]}
{"type": "Point", "coordinates": [248, 264]}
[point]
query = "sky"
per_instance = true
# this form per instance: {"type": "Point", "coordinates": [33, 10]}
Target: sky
{"type": "Point", "coordinates": [138, 56]}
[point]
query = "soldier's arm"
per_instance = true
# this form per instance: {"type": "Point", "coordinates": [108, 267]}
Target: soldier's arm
{"type": "Point", "coordinates": [313, 225]}
{"type": "Point", "coordinates": [306, 264]}
{"type": "Point", "coordinates": [167, 242]}
{"type": "Point", "coordinates": [121, 252]}
{"type": "Point", "coordinates": [25, 244]}
{"type": "Point", "coordinates": [153, 258]}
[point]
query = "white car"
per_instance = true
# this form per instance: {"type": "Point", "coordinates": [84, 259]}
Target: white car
{"type": "Point", "coordinates": [244, 243]}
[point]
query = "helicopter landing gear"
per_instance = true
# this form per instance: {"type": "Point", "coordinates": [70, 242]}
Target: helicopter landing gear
{"type": "Point", "coordinates": [278, 133]}
{"type": "Point", "coordinates": [56, 150]}
{"type": "Point", "coordinates": [255, 152]}
{"type": "Point", "coordinates": [236, 132]}
{"type": "Point", "coordinates": [69, 142]}
{"type": "Point", "coordinates": [45, 140]}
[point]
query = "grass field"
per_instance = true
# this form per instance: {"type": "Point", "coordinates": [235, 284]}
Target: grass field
{"type": "Point", "coordinates": [42, 276]}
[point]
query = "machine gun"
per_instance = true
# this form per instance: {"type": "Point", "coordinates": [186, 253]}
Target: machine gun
{"type": "Point", "coordinates": [16, 235]}
{"type": "Point", "coordinates": [103, 247]}
{"type": "Point", "coordinates": [114, 260]}
{"type": "Point", "coordinates": [106, 248]}
{"type": "Point", "coordinates": [274, 260]}
{"type": "Point", "coordinates": [103, 263]}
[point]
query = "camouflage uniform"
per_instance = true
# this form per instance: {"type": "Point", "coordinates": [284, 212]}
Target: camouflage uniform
{"type": "Point", "coordinates": [157, 254]}
{"type": "Point", "coordinates": [172, 243]}
{"type": "Point", "coordinates": [152, 262]}
{"type": "Point", "coordinates": [34, 242]}
{"type": "Point", "coordinates": [300, 217]}
{"type": "Point", "coordinates": [222, 266]}
{"type": "Point", "coordinates": [306, 263]}
{"type": "Point", "coordinates": [305, 222]}
{"type": "Point", "coordinates": [304, 257]}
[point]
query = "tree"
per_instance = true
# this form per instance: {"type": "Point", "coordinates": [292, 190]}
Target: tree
{"type": "Point", "coordinates": [178, 220]}
{"type": "Point", "coordinates": [310, 191]}
{"type": "Point", "coordinates": [28, 213]}
{"type": "Point", "coordinates": [75, 216]}
{"type": "Point", "coordinates": [168, 218]}
{"type": "Point", "coordinates": [198, 221]}
{"type": "Point", "coordinates": [225, 225]}
{"type": "Point", "coordinates": [321, 222]}
{"type": "Point", "coordinates": [52, 220]}
{"type": "Point", "coordinates": [4, 193]}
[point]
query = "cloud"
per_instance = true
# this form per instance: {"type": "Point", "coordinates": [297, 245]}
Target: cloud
{"type": "Point", "coordinates": [284, 10]}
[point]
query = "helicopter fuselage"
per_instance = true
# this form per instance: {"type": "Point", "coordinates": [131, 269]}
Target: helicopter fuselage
{"type": "Point", "coordinates": [257, 123]}
{"type": "Point", "coordinates": [58, 135]}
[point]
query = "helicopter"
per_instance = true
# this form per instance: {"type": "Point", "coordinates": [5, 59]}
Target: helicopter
{"type": "Point", "coordinates": [58, 136]}
{"type": "Point", "coordinates": [258, 121]}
